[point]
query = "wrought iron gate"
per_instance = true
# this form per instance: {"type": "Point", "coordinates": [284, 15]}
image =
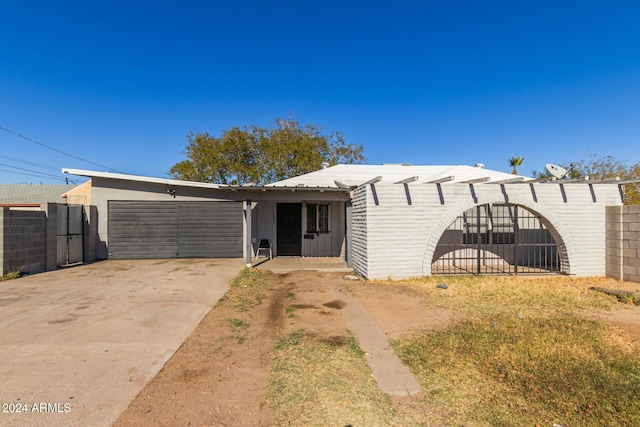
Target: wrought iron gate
{"type": "Point", "coordinates": [496, 239]}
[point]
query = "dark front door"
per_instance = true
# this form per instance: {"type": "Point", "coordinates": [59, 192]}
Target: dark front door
{"type": "Point", "coordinates": [289, 229]}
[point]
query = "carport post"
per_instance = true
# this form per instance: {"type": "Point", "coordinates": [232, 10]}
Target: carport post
{"type": "Point", "coordinates": [248, 220]}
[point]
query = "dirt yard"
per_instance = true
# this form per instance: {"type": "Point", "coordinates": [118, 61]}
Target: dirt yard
{"type": "Point", "coordinates": [219, 376]}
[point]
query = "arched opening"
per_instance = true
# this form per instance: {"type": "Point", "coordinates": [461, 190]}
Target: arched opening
{"type": "Point", "coordinates": [497, 238]}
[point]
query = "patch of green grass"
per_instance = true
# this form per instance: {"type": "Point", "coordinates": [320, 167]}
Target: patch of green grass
{"type": "Point", "coordinates": [290, 341]}
{"type": "Point", "coordinates": [631, 298]}
{"type": "Point", "coordinates": [504, 370]}
{"type": "Point", "coordinates": [291, 295]}
{"type": "Point", "coordinates": [290, 312]}
{"type": "Point", "coordinates": [13, 274]}
{"type": "Point", "coordinates": [238, 325]}
{"type": "Point", "coordinates": [246, 290]}
{"type": "Point", "coordinates": [321, 381]}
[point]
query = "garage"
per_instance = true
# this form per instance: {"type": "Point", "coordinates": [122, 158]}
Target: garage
{"type": "Point", "coordinates": [175, 229]}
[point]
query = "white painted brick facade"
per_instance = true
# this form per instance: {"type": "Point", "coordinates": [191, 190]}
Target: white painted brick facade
{"type": "Point", "coordinates": [359, 231]}
{"type": "Point", "coordinates": [397, 237]}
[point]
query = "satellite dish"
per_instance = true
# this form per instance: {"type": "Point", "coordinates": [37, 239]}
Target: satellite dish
{"type": "Point", "coordinates": [557, 171]}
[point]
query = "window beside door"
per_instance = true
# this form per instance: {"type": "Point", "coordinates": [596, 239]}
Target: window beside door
{"type": "Point", "coordinates": [317, 218]}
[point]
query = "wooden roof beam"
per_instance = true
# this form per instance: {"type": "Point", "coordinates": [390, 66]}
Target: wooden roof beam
{"type": "Point", "coordinates": [509, 181]}
{"type": "Point", "coordinates": [441, 180]}
{"type": "Point", "coordinates": [372, 181]}
{"type": "Point", "coordinates": [343, 185]}
{"type": "Point", "coordinates": [477, 180]}
{"type": "Point", "coordinates": [408, 180]}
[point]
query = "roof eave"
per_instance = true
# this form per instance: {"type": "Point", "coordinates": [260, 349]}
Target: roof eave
{"type": "Point", "coordinates": [137, 178]}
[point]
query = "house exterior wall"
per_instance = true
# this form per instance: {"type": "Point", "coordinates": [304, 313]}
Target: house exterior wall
{"type": "Point", "coordinates": [265, 227]}
{"type": "Point", "coordinates": [80, 195]}
{"type": "Point", "coordinates": [263, 204]}
{"type": "Point", "coordinates": [104, 190]}
{"type": "Point", "coordinates": [359, 254]}
{"type": "Point", "coordinates": [623, 242]}
{"type": "Point", "coordinates": [399, 226]}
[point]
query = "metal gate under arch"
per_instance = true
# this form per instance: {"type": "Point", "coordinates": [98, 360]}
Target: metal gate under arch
{"type": "Point", "coordinates": [496, 239]}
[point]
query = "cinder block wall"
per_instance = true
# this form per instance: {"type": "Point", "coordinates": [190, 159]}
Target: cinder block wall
{"type": "Point", "coordinates": [403, 223]}
{"type": "Point", "coordinates": [623, 242]}
{"type": "Point", "coordinates": [23, 238]}
{"type": "Point", "coordinates": [28, 238]}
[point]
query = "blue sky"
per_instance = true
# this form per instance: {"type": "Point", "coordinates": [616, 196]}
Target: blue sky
{"type": "Point", "coordinates": [456, 82]}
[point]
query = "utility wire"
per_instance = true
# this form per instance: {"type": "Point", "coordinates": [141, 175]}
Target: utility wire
{"type": "Point", "coordinates": [55, 149]}
{"type": "Point", "coordinates": [38, 176]}
{"type": "Point", "coordinates": [43, 174]}
{"type": "Point", "coordinates": [27, 162]}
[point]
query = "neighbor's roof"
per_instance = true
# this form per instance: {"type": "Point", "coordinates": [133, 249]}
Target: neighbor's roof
{"type": "Point", "coordinates": [354, 175]}
{"type": "Point", "coordinates": [33, 193]}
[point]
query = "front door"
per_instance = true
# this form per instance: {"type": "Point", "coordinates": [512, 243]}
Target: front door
{"type": "Point", "coordinates": [289, 225]}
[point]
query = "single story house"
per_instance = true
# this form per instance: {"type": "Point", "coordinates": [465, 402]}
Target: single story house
{"type": "Point", "coordinates": [393, 221]}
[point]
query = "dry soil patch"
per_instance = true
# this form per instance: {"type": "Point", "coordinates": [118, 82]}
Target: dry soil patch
{"type": "Point", "coordinates": [219, 376]}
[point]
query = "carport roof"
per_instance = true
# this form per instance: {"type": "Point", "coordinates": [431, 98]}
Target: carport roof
{"type": "Point", "coordinates": [345, 176]}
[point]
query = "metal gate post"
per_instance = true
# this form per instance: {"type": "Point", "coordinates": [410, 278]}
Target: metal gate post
{"type": "Point", "coordinates": [348, 236]}
{"type": "Point", "coordinates": [248, 220]}
{"type": "Point", "coordinates": [515, 239]}
{"type": "Point", "coordinates": [478, 235]}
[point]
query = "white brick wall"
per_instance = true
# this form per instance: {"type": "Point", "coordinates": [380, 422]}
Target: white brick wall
{"type": "Point", "coordinates": [397, 237]}
{"type": "Point", "coordinates": [359, 231]}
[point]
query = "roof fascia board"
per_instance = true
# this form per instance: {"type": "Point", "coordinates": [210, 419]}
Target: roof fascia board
{"type": "Point", "coordinates": [289, 189]}
{"type": "Point", "coordinates": [137, 178]}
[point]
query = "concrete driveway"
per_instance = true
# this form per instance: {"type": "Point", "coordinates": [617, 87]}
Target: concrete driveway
{"type": "Point", "coordinates": [77, 345]}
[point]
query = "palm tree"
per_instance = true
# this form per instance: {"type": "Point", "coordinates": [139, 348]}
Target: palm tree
{"type": "Point", "coordinates": [514, 162]}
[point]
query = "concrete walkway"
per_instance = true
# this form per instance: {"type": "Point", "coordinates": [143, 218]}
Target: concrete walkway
{"type": "Point", "coordinates": [391, 375]}
{"type": "Point", "coordinates": [287, 264]}
{"type": "Point", "coordinates": [78, 345]}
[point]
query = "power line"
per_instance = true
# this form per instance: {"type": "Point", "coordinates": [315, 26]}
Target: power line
{"type": "Point", "coordinates": [55, 149]}
{"type": "Point", "coordinates": [36, 175]}
{"type": "Point", "coordinates": [27, 162]}
{"type": "Point", "coordinates": [29, 170]}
